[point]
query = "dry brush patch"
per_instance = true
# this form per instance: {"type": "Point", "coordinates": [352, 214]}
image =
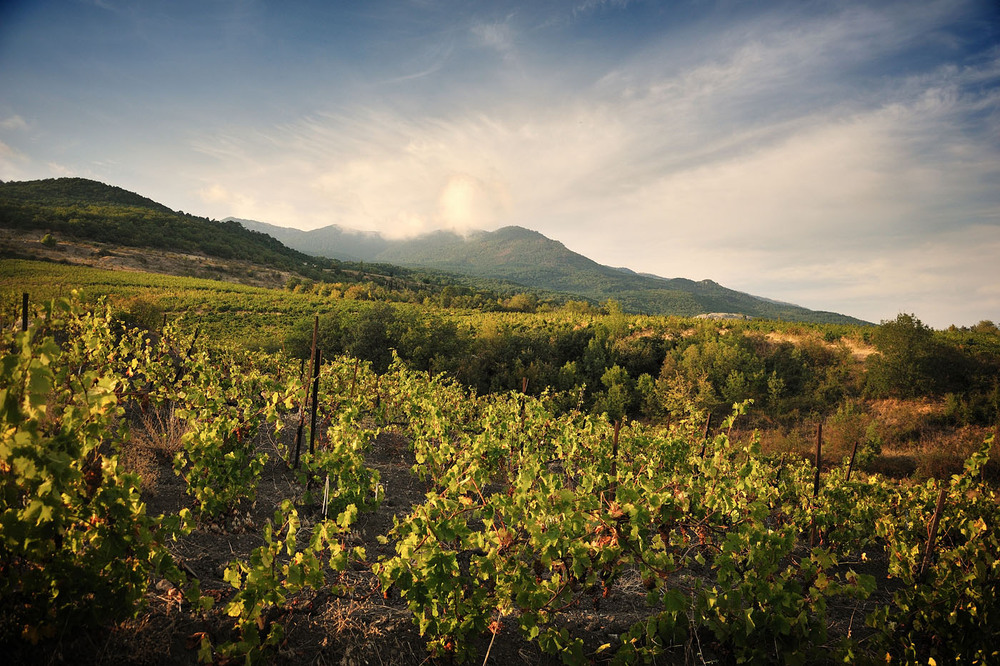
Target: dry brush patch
{"type": "Point", "coordinates": [154, 438]}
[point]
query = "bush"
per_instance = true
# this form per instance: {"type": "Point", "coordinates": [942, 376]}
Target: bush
{"type": "Point", "coordinates": [849, 425]}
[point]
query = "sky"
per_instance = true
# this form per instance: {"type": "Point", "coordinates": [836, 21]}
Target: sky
{"type": "Point", "coordinates": [839, 155]}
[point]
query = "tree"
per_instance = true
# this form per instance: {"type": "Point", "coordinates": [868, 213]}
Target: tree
{"type": "Point", "coordinates": [911, 361]}
{"type": "Point", "coordinates": [619, 400]}
{"type": "Point", "coordinates": [986, 326]}
{"type": "Point", "coordinates": [904, 346]}
{"type": "Point", "coordinates": [373, 334]}
{"type": "Point", "coordinates": [521, 302]}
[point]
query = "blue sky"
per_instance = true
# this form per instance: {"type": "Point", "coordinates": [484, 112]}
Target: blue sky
{"type": "Point", "coordinates": [840, 155]}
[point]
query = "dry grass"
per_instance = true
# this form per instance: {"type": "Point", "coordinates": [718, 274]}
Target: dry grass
{"type": "Point", "coordinates": [915, 440]}
{"type": "Point", "coordinates": [941, 453]}
{"type": "Point", "coordinates": [154, 439]}
{"type": "Point", "coordinates": [858, 349]}
{"type": "Point", "coordinates": [110, 256]}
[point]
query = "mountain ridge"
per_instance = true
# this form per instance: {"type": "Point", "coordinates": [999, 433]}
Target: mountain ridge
{"type": "Point", "coordinates": [528, 257]}
{"type": "Point", "coordinates": [515, 257]}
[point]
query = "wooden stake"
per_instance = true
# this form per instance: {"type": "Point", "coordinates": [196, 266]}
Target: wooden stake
{"type": "Point", "coordinates": [819, 460]}
{"type": "Point", "coordinates": [614, 450]}
{"type": "Point", "coordinates": [932, 533]}
{"type": "Point", "coordinates": [305, 399]}
{"type": "Point", "coordinates": [354, 377]}
{"type": "Point", "coordinates": [312, 350]}
{"type": "Point", "coordinates": [187, 355]}
{"type": "Point", "coordinates": [524, 404]}
{"type": "Point", "coordinates": [850, 465]}
{"type": "Point", "coordinates": [996, 440]}
{"type": "Point", "coordinates": [704, 435]}
{"type": "Point", "coordinates": [315, 405]}
{"type": "Point", "coordinates": [24, 311]}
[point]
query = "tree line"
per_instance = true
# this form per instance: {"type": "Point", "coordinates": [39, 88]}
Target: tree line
{"type": "Point", "coordinates": [657, 368]}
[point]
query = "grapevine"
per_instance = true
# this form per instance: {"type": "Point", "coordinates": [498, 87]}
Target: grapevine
{"type": "Point", "coordinates": [528, 514]}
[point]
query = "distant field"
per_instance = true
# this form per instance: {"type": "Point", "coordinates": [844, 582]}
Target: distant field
{"type": "Point", "coordinates": [226, 312]}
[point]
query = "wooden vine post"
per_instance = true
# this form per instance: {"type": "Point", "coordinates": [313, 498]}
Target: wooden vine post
{"type": "Point", "coordinates": [704, 434]}
{"type": "Point", "coordinates": [305, 399]}
{"type": "Point", "coordinates": [850, 465]}
{"type": "Point", "coordinates": [932, 532]}
{"type": "Point", "coordinates": [187, 355]}
{"type": "Point", "coordinates": [614, 457]}
{"type": "Point", "coordinates": [524, 398]}
{"type": "Point", "coordinates": [315, 404]}
{"type": "Point", "coordinates": [523, 415]}
{"type": "Point", "coordinates": [354, 377]}
{"type": "Point", "coordinates": [819, 458]}
{"type": "Point", "coordinates": [24, 311]}
{"type": "Point", "coordinates": [819, 461]}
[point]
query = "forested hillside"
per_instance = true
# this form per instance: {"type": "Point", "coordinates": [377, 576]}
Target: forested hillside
{"type": "Point", "coordinates": [528, 258]}
{"type": "Point", "coordinates": [83, 221]}
{"type": "Point", "coordinates": [85, 209]}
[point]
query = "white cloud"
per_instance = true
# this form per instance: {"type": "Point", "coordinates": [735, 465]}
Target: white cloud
{"type": "Point", "coordinates": [217, 194]}
{"type": "Point", "coordinates": [949, 278]}
{"type": "Point", "coordinates": [467, 203]}
{"type": "Point", "coordinates": [6, 152]}
{"type": "Point", "coordinates": [61, 170]}
{"type": "Point", "coordinates": [14, 123]}
{"type": "Point", "coordinates": [495, 35]}
{"type": "Point", "coordinates": [751, 160]}
{"type": "Point", "coordinates": [590, 5]}
{"type": "Point", "coordinates": [11, 162]}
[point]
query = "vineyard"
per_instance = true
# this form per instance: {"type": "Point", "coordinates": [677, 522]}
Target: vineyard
{"type": "Point", "coordinates": [165, 501]}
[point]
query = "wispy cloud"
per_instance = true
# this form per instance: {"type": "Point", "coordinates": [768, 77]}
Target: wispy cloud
{"type": "Point", "coordinates": [14, 123]}
{"type": "Point", "coordinates": [699, 162]}
{"type": "Point", "coordinates": [102, 4]}
{"type": "Point", "coordinates": [822, 153]}
{"type": "Point", "coordinates": [11, 162]}
{"type": "Point", "coordinates": [499, 36]}
{"type": "Point", "coordinates": [591, 5]}
{"type": "Point", "coordinates": [495, 35]}
{"type": "Point", "coordinates": [6, 152]}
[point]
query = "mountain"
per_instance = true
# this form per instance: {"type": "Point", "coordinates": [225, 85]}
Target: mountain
{"type": "Point", "coordinates": [334, 242]}
{"type": "Point", "coordinates": [95, 224]}
{"type": "Point", "coordinates": [528, 258]}
{"type": "Point", "coordinates": [88, 210]}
